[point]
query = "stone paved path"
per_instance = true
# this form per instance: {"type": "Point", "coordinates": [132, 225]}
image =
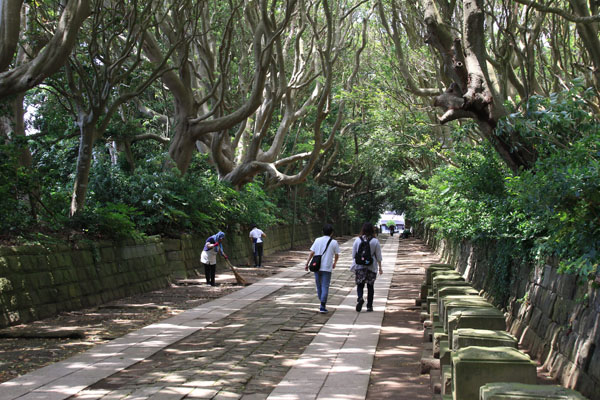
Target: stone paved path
{"type": "Point", "coordinates": [263, 341]}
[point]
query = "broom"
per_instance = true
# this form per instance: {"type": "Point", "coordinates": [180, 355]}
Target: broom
{"type": "Point", "coordinates": [238, 277]}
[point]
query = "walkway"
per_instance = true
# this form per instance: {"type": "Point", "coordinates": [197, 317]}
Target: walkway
{"type": "Point", "coordinates": [263, 341]}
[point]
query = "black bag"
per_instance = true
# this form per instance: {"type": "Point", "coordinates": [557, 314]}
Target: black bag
{"type": "Point", "coordinates": [363, 255]}
{"type": "Point", "coordinates": [315, 262]}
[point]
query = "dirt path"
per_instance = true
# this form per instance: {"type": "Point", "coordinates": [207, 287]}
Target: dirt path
{"type": "Point", "coordinates": [396, 372]}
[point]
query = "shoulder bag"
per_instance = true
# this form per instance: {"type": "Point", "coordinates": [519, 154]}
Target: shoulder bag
{"type": "Point", "coordinates": [315, 263]}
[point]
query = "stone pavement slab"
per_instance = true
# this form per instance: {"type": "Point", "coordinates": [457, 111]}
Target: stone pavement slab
{"type": "Point", "coordinates": [263, 341]}
{"type": "Point", "coordinates": [337, 364]}
{"type": "Point", "coordinates": [66, 378]}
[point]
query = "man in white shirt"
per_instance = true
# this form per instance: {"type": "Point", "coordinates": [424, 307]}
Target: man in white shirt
{"type": "Point", "coordinates": [329, 250]}
{"type": "Point", "coordinates": [256, 235]}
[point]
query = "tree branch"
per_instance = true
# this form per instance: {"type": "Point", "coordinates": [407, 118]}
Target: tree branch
{"type": "Point", "coordinates": [558, 11]}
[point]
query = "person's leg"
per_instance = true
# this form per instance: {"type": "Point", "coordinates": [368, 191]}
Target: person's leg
{"type": "Point", "coordinates": [259, 253]}
{"type": "Point", "coordinates": [325, 281]}
{"type": "Point", "coordinates": [360, 291]}
{"type": "Point", "coordinates": [213, 272]}
{"type": "Point", "coordinates": [318, 284]}
{"type": "Point", "coordinates": [254, 253]}
{"type": "Point", "coordinates": [207, 273]}
{"type": "Point", "coordinates": [370, 295]}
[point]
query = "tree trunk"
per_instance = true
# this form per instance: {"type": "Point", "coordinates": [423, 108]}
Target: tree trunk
{"type": "Point", "coordinates": [589, 35]}
{"type": "Point", "coordinates": [182, 145]}
{"type": "Point", "coordinates": [473, 94]}
{"type": "Point", "coordinates": [84, 163]}
{"type": "Point", "coordinates": [51, 57]}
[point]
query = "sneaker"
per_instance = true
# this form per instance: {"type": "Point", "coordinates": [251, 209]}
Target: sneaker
{"type": "Point", "coordinates": [323, 310]}
{"type": "Point", "coordinates": [369, 309]}
{"type": "Point", "coordinates": [359, 304]}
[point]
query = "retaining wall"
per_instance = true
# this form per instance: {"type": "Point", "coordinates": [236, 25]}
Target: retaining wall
{"type": "Point", "coordinates": [40, 281]}
{"type": "Point", "coordinates": [555, 318]}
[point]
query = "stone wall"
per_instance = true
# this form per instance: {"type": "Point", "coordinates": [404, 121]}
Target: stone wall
{"type": "Point", "coordinates": [40, 281]}
{"type": "Point", "coordinates": [183, 254]}
{"type": "Point", "coordinates": [555, 318]}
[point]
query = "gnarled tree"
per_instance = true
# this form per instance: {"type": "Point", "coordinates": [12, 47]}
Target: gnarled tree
{"type": "Point", "coordinates": [208, 95]}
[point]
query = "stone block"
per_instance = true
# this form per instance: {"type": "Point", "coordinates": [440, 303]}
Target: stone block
{"type": "Point", "coordinates": [563, 309]}
{"type": "Point", "coordinates": [594, 366]}
{"type": "Point", "coordinates": [447, 380]}
{"type": "Point", "coordinates": [434, 315]}
{"type": "Point", "coordinates": [536, 315]}
{"type": "Point", "coordinates": [172, 244]}
{"type": "Point", "coordinates": [566, 285]}
{"type": "Point", "coordinates": [445, 281]}
{"type": "Point", "coordinates": [466, 337]}
{"type": "Point", "coordinates": [452, 302]}
{"type": "Point", "coordinates": [445, 354]}
{"type": "Point", "coordinates": [444, 274]}
{"type": "Point", "coordinates": [439, 336]}
{"type": "Point", "coordinates": [521, 391]}
{"type": "Point", "coordinates": [454, 290]}
{"type": "Point", "coordinates": [475, 317]}
{"type": "Point", "coordinates": [107, 254]}
{"type": "Point", "coordinates": [474, 366]}
{"type": "Point", "coordinates": [430, 299]}
{"type": "Point", "coordinates": [177, 269]}
{"type": "Point", "coordinates": [436, 267]}
{"type": "Point", "coordinates": [174, 256]}
{"type": "Point", "coordinates": [28, 263]}
{"type": "Point", "coordinates": [422, 296]}
{"type": "Point", "coordinates": [546, 301]}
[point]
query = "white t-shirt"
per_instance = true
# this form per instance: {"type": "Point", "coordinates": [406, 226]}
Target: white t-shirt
{"type": "Point", "coordinates": [256, 234]}
{"type": "Point", "coordinates": [208, 257]}
{"type": "Point", "coordinates": [327, 258]}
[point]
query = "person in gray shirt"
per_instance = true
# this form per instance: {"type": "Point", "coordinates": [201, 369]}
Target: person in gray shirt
{"type": "Point", "coordinates": [364, 265]}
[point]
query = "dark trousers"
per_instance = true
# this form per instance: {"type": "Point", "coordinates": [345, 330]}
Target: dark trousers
{"type": "Point", "coordinates": [209, 273]}
{"type": "Point", "coordinates": [258, 253]}
{"type": "Point", "coordinates": [370, 292]}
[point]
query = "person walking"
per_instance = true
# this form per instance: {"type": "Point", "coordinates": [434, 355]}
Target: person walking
{"type": "Point", "coordinates": [256, 236]}
{"type": "Point", "coordinates": [329, 250]}
{"type": "Point", "coordinates": [366, 256]}
{"type": "Point", "coordinates": [208, 258]}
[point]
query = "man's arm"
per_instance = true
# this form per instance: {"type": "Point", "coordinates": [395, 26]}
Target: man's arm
{"type": "Point", "coordinates": [310, 256]}
{"type": "Point", "coordinates": [335, 260]}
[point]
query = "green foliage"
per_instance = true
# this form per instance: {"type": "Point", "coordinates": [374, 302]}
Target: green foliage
{"type": "Point", "coordinates": [166, 202]}
{"type": "Point", "coordinates": [109, 220]}
{"type": "Point", "coordinates": [550, 210]}
{"type": "Point", "coordinates": [15, 189]}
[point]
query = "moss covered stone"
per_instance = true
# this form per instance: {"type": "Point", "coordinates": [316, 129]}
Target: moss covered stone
{"type": "Point", "coordinates": [466, 337]}
{"type": "Point", "coordinates": [473, 367]}
{"type": "Point", "coordinates": [520, 391]}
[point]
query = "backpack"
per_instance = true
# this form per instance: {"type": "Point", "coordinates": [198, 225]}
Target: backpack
{"type": "Point", "coordinates": [363, 255]}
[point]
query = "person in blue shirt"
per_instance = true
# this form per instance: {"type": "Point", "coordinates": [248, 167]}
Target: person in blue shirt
{"type": "Point", "coordinates": [208, 258]}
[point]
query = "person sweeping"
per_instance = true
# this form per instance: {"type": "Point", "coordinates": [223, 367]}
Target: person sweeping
{"type": "Point", "coordinates": [208, 258]}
